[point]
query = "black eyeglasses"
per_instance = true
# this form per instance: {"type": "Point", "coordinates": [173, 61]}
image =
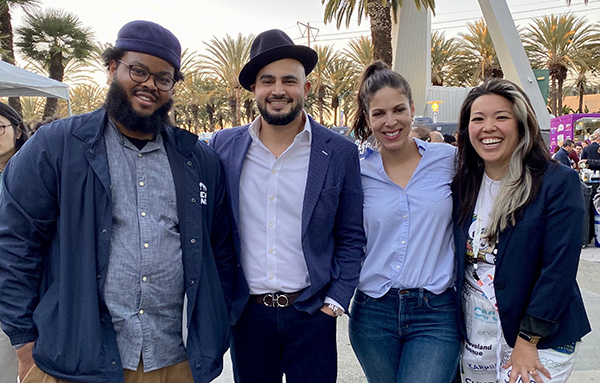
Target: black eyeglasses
{"type": "Point", "coordinates": [3, 129]}
{"type": "Point", "coordinates": [140, 75]}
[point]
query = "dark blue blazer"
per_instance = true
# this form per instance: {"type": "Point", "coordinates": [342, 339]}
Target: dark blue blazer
{"type": "Point", "coordinates": [563, 157]}
{"type": "Point", "coordinates": [536, 264]}
{"type": "Point", "coordinates": [333, 237]}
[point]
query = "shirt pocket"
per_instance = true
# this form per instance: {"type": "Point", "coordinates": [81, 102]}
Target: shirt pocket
{"type": "Point", "coordinates": [435, 186]}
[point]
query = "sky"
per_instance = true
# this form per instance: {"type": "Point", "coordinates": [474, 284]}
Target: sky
{"type": "Point", "coordinates": [197, 22]}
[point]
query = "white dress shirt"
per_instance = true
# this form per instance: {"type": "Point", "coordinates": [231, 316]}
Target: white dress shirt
{"type": "Point", "coordinates": [271, 199]}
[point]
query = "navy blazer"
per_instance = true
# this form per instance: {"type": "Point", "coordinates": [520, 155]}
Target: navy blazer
{"type": "Point", "coordinates": [536, 264]}
{"type": "Point", "coordinates": [333, 237]}
{"type": "Point", "coordinates": [562, 156]}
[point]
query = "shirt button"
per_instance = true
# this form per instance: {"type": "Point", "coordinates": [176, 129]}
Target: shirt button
{"type": "Point", "coordinates": [99, 276]}
{"type": "Point", "coordinates": [146, 245]}
{"type": "Point", "coordinates": [271, 251]}
{"type": "Point", "coordinates": [140, 155]}
{"type": "Point", "coordinates": [397, 266]}
{"type": "Point", "coordinates": [104, 231]}
{"type": "Point", "coordinates": [403, 242]}
{"type": "Point", "coordinates": [405, 216]}
{"type": "Point", "coordinates": [271, 224]}
{"type": "Point", "coordinates": [272, 197]}
{"type": "Point", "coordinates": [271, 277]}
{"type": "Point", "coordinates": [274, 171]}
{"type": "Point", "coordinates": [91, 150]}
{"type": "Point", "coordinates": [141, 183]}
{"type": "Point", "coordinates": [193, 240]}
{"type": "Point", "coordinates": [191, 282]}
{"type": "Point", "coordinates": [189, 163]}
{"type": "Point", "coordinates": [193, 200]}
{"type": "Point", "coordinates": [144, 279]}
{"type": "Point", "coordinates": [143, 214]}
{"type": "Point", "coordinates": [141, 312]}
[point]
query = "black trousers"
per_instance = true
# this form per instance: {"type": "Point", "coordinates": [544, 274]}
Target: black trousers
{"type": "Point", "coordinates": [269, 342]}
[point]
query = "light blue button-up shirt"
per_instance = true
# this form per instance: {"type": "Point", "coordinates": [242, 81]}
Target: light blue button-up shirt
{"type": "Point", "coordinates": [409, 230]}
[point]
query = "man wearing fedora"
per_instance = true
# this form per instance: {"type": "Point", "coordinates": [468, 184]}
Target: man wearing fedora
{"type": "Point", "coordinates": [120, 218]}
{"type": "Point", "coordinates": [296, 198]}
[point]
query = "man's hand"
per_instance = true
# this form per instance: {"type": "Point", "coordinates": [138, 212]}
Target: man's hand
{"type": "Point", "coordinates": [25, 359]}
{"type": "Point", "coordinates": [328, 311]}
{"type": "Point", "coordinates": [526, 363]}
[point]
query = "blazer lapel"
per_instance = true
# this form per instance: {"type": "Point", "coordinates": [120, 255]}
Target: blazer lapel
{"type": "Point", "coordinates": [320, 155]}
{"type": "Point", "coordinates": [239, 148]}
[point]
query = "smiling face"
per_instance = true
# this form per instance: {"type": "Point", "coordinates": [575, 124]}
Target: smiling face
{"type": "Point", "coordinates": [389, 117]}
{"type": "Point", "coordinates": [280, 91]}
{"type": "Point", "coordinates": [7, 142]}
{"type": "Point", "coordinates": [493, 132]}
{"type": "Point", "coordinates": [144, 98]}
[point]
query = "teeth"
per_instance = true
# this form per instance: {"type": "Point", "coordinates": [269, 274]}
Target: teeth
{"type": "Point", "coordinates": [390, 134]}
{"type": "Point", "coordinates": [490, 141]}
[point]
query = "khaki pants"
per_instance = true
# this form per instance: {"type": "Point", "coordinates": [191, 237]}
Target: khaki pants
{"type": "Point", "coordinates": [177, 373]}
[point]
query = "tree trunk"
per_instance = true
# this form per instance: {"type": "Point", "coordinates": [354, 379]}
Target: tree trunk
{"type": "Point", "coordinates": [55, 72]}
{"type": "Point", "coordinates": [320, 103]}
{"type": "Point", "coordinates": [553, 95]}
{"type": "Point", "coordinates": [9, 56]}
{"type": "Point", "coordinates": [581, 93]}
{"type": "Point", "coordinates": [562, 75]}
{"type": "Point", "coordinates": [380, 18]}
{"type": "Point", "coordinates": [238, 105]}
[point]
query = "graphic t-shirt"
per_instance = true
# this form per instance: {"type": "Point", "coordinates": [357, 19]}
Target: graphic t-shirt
{"type": "Point", "coordinates": [485, 259]}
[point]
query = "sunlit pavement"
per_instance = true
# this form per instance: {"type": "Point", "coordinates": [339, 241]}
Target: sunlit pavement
{"type": "Point", "coordinates": [587, 366]}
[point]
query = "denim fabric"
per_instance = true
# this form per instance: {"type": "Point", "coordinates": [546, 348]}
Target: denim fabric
{"type": "Point", "coordinates": [145, 254]}
{"type": "Point", "coordinates": [269, 342]}
{"type": "Point", "coordinates": [406, 337]}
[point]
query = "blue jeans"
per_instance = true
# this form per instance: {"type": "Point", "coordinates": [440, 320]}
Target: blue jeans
{"type": "Point", "coordinates": [406, 336]}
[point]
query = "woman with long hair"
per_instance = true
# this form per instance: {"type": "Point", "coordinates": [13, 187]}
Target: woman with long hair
{"type": "Point", "coordinates": [403, 324]}
{"type": "Point", "coordinates": [518, 227]}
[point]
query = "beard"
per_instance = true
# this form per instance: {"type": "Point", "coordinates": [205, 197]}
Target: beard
{"type": "Point", "coordinates": [279, 119]}
{"type": "Point", "coordinates": [119, 108]}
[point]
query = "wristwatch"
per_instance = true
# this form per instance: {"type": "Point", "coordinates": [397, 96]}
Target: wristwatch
{"type": "Point", "coordinates": [533, 339]}
{"type": "Point", "coordinates": [336, 310]}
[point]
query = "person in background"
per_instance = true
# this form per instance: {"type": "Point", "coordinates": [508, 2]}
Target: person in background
{"type": "Point", "coordinates": [592, 151]}
{"type": "Point", "coordinates": [403, 323]}
{"type": "Point", "coordinates": [296, 198]}
{"type": "Point", "coordinates": [518, 219]}
{"type": "Point", "coordinates": [121, 216]}
{"type": "Point", "coordinates": [562, 154]}
{"type": "Point", "coordinates": [436, 136]}
{"type": "Point", "coordinates": [13, 134]}
{"type": "Point", "coordinates": [450, 139]}
{"type": "Point", "coordinates": [420, 132]}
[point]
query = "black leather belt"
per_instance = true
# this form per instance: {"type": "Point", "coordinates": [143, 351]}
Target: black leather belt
{"type": "Point", "coordinates": [275, 299]}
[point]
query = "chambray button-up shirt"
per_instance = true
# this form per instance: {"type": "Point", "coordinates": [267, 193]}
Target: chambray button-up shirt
{"type": "Point", "coordinates": [144, 286]}
{"type": "Point", "coordinates": [410, 243]}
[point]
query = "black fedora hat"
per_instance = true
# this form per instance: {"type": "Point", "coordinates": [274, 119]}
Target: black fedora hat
{"type": "Point", "coordinates": [271, 46]}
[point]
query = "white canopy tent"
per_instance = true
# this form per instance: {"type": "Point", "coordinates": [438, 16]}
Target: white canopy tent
{"type": "Point", "coordinates": [16, 82]}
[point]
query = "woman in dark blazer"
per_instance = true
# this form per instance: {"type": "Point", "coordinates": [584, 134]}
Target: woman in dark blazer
{"type": "Point", "coordinates": [518, 223]}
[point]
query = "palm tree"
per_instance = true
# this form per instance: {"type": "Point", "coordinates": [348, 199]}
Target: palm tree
{"type": "Point", "coordinates": [320, 77]}
{"type": "Point", "coordinates": [557, 42]}
{"type": "Point", "coordinates": [53, 38]}
{"type": "Point", "coordinates": [476, 60]}
{"type": "Point", "coordinates": [342, 87]}
{"type": "Point", "coordinates": [7, 51]}
{"type": "Point", "coordinates": [86, 97]}
{"type": "Point", "coordinates": [443, 53]}
{"type": "Point", "coordinates": [225, 59]}
{"type": "Point", "coordinates": [380, 16]}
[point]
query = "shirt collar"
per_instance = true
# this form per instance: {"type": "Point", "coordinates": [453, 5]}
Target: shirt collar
{"type": "Point", "coordinates": [254, 128]}
{"type": "Point", "coordinates": [155, 144]}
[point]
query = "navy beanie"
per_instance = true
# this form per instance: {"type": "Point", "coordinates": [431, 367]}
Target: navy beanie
{"type": "Point", "coordinates": [150, 38]}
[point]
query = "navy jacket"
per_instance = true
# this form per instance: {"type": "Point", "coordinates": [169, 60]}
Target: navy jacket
{"type": "Point", "coordinates": [333, 237]}
{"type": "Point", "coordinates": [54, 249]}
{"type": "Point", "coordinates": [562, 156]}
{"type": "Point", "coordinates": [536, 264]}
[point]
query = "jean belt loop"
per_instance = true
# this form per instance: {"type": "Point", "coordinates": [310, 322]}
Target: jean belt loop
{"type": "Point", "coordinates": [421, 296]}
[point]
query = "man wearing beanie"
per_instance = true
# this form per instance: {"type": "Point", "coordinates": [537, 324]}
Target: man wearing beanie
{"type": "Point", "coordinates": [296, 197]}
{"type": "Point", "coordinates": [120, 218]}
